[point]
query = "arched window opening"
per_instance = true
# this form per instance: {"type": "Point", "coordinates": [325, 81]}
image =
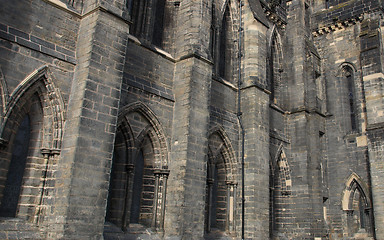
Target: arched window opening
{"type": "Point", "coordinates": [225, 55]}
{"type": "Point", "coordinates": [357, 207]}
{"type": "Point", "coordinates": [348, 78]}
{"type": "Point", "coordinates": [139, 173]}
{"type": "Point", "coordinates": [283, 182]}
{"type": "Point", "coordinates": [212, 33]}
{"type": "Point", "coordinates": [352, 107]}
{"type": "Point", "coordinates": [31, 132]}
{"type": "Point", "coordinates": [12, 190]}
{"type": "Point", "coordinates": [274, 71]}
{"type": "Point", "coordinates": [358, 215]}
{"type": "Point", "coordinates": [132, 185]}
{"type": "Point", "coordinates": [281, 190]}
{"type": "Point", "coordinates": [221, 188]}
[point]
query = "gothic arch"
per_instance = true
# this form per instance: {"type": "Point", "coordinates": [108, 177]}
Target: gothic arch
{"type": "Point", "coordinates": [353, 183]}
{"type": "Point", "coordinates": [280, 192]}
{"type": "Point", "coordinates": [154, 130]}
{"type": "Point", "coordinates": [36, 108]}
{"type": "Point", "coordinates": [221, 183]}
{"type": "Point", "coordinates": [226, 149]}
{"type": "Point", "coordinates": [274, 65]}
{"type": "Point", "coordinates": [223, 35]}
{"type": "Point", "coordinates": [347, 81]}
{"type": "Point", "coordinates": [40, 81]}
{"type": "Point", "coordinates": [274, 35]}
{"type": "Point", "coordinates": [280, 169]}
{"type": "Point", "coordinates": [139, 170]}
{"type": "Point", "coordinates": [357, 207]}
{"type": "Point", "coordinates": [342, 66]}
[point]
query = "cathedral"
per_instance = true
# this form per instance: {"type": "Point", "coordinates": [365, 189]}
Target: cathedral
{"type": "Point", "coordinates": [192, 119]}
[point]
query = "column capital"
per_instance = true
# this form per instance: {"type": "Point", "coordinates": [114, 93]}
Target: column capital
{"type": "Point", "coordinates": [164, 172]}
{"type": "Point", "coordinates": [45, 151]}
{"type": "Point", "coordinates": [231, 182]}
{"type": "Point", "coordinates": [157, 171]}
{"type": "Point", "coordinates": [48, 151]}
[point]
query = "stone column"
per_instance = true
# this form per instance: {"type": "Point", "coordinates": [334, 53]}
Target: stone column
{"type": "Point", "coordinates": [231, 206]}
{"type": "Point", "coordinates": [210, 182]}
{"type": "Point", "coordinates": [234, 208]}
{"type": "Point", "coordinates": [227, 222]}
{"type": "Point", "coordinates": [164, 173]}
{"type": "Point", "coordinates": [127, 204]}
{"type": "Point", "coordinates": [84, 167]}
{"type": "Point", "coordinates": [255, 120]}
{"type": "Point", "coordinates": [157, 173]}
{"type": "Point", "coordinates": [40, 210]}
{"type": "Point", "coordinates": [189, 142]}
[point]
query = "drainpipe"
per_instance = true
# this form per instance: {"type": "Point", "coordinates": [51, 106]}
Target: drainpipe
{"type": "Point", "coordinates": [239, 114]}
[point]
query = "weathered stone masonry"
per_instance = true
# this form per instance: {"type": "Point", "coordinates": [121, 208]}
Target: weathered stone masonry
{"type": "Point", "coordinates": [120, 119]}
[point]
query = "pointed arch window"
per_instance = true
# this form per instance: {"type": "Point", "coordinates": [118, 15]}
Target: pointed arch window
{"type": "Point", "coordinates": [274, 70]}
{"type": "Point", "coordinates": [283, 181]}
{"type": "Point", "coordinates": [212, 33]}
{"type": "Point", "coordinates": [281, 188]}
{"type": "Point", "coordinates": [225, 51]}
{"type": "Point", "coordinates": [221, 188]}
{"type": "Point", "coordinates": [139, 173]}
{"type": "Point", "coordinates": [31, 136]}
{"type": "Point", "coordinates": [350, 100]}
{"type": "Point", "coordinates": [357, 207]}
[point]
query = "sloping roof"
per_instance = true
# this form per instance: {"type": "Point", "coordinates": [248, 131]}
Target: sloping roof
{"type": "Point", "coordinates": [258, 12]}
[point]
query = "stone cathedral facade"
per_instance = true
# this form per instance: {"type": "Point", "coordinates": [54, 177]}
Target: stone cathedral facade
{"type": "Point", "coordinates": [192, 119]}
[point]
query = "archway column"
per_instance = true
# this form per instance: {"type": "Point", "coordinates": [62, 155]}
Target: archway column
{"type": "Point", "coordinates": [161, 179]}
{"type": "Point", "coordinates": [40, 210]}
{"type": "Point", "coordinates": [210, 183]}
{"type": "Point", "coordinates": [231, 206]}
{"type": "Point", "coordinates": [127, 202]}
{"type": "Point", "coordinates": [164, 173]}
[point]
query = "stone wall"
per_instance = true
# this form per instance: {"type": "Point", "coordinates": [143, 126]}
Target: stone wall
{"type": "Point", "coordinates": [128, 139]}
